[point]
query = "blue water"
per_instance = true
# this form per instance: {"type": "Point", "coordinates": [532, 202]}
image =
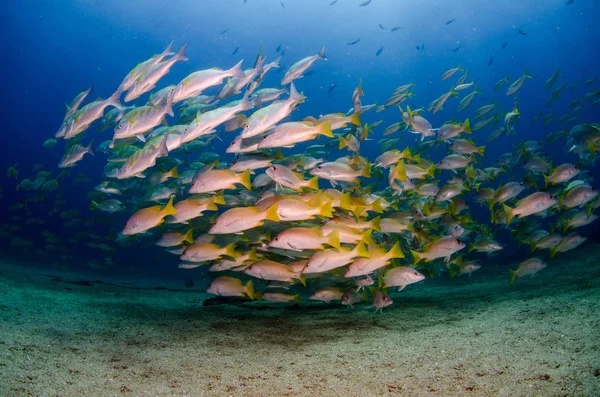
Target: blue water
{"type": "Point", "coordinates": [55, 49]}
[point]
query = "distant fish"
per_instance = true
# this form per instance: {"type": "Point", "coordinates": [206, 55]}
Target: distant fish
{"type": "Point", "coordinates": [283, 5]}
{"type": "Point", "coordinates": [224, 31]}
{"type": "Point", "coordinates": [491, 61]}
{"type": "Point", "coordinates": [333, 2]}
{"type": "Point", "coordinates": [456, 49]}
{"type": "Point", "coordinates": [522, 32]}
{"type": "Point", "coordinates": [330, 90]}
{"type": "Point", "coordinates": [235, 51]}
{"type": "Point", "coordinates": [382, 27]}
{"type": "Point", "coordinates": [569, 2]}
{"type": "Point", "coordinates": [278, 48]}
{"type": "Point", "coordinates": [421, 47]}
{"type": "Point", "coordinates": [504, 44]}
{"type": "Point", "coordinates": [366, 3]}
{"type": "Point", "coordinates": [450, 21]}
{"type": "Point", "coordinates": [353, 42]}
{"type": "Point", "coordinates": [395, 28]}
{"type": "Point", "coordinates": [379, 51]}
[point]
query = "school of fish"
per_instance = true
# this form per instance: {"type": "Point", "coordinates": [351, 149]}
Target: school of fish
{"type": "Point", "coordinates": [326, 224]}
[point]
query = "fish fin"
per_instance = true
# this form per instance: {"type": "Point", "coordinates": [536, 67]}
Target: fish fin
{"type": "Point", "coordinates": [169, 209]}
{"type": "Point", "coordinates": [181, 53]}
{"type": "Point", "coordinates": [375, 224]}
{"type": "Point", "coordinates": [396, 251]}
{"type": "Point", "coordinates": [245, 180]}
{"type": "Point", "coordinates": [174, 173]}
{"type": "Point", "coordinates": [376, 206]}
{"type": "Point", "coordinates": [400, 171]}
{"type": "Point", "coordinates": [361, 250]}
{"type": "Point", "coordinates": [355, 119]}
{"type": "Point", "coordinates": [321, 53]}
{"type": "Point", "coordinates": [509, 213]}
{"type": "Point", "coordinates": [250, 289]}
{"type": "Point", "coordinates": [367, 238]}
{"type": "Point", "coordinates": [189, 236]}
{"type": "Point", "coordinates": [219, 198]}
{"type": "Point", "coordinates": [512, 275]}
{"type": "Point", "coordinates": [313, 183]}
{"type": "Point", "coordinates": [325, 210]}
{"type": "Point", "coordinates": [94, 205]}
{"type": "Point", "coordinates": [325, 129]}
{"type": "Point", "coordinates": [334, 239]}
{"type": "Point", "coordinates": [272, 214]}
{"type": "Point", "coordinates": [416, 256]}
{"type": "Point", "coordinates": [302, 279]}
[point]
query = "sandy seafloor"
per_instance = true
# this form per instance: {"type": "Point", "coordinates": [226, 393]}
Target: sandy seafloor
{"type": "Point", "coordinates": [465, 337]}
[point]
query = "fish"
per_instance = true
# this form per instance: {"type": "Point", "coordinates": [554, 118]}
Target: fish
{"type": "Point", "coordinates": [195, 83]}
{"type": "Point", "coordinates": [528, 267]}
{"type": "Point", "coordinates": [516, 86]}
{"type": "Point", "coordinates": [449, 73]}
{"type": "Point", "coordinates": [148, 218]}
{"type": "Point", "coordinates": [443, 247]}
{"type": "Point", "coordinates": [532, 204]}
{"type": "Point", "coordinates": [353, 42]}
{"type": "Point", "coordinates": [552, 80]}
{"type": "Point", "coordinates": [380, 300]}
{"type": "Point", "coordinates": [450, 21]}
{"type": "Point", "coordinates": [401, 276]}
{"type": "Point", "coordinates": [235, 50]}
{"type": "Point", "coordinates": [299, 68]}
{"type": "Point", "coordinates": [230, 286]}
{"type": "Point", "coordinates": [522, 32]}
{"type": "Point", "coordinates": [365, 3]}
{"type": "Point", "coordinates": [379, 51]}
{"type": "Point", "coordinates": [73, 155]}
{"type": "Point", "coordinates": [491, 61]}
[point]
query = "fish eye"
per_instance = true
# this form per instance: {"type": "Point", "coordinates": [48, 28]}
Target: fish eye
{"type": "Point", "coordinates": [276, 238]}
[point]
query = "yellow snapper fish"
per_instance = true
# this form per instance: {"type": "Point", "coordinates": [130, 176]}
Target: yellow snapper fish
{"type": "Point", "coordinates": [147, 218]}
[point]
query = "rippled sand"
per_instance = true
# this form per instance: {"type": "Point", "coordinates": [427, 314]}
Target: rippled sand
{"type": "Point", "coordinates": [467, 337]}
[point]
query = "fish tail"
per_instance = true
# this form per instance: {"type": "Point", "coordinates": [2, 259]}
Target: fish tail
{"type": "Point", "coordinates": [509, 213]}
{"type": "Point", "coordinates": [355, 119]}
{"type": "Point", "coordinates": [366, 171]}
{"type": "Point", "coordinates": [481, 150]}
{"type": "Point", "coordinates": [533, 247]}
{"type": "Point", "coordinates": [168, 109]}
{"type": "Point", "coordinates": [302, 279]}
{"type": "Point", "coordinates": [546, 180]}
{"type": "Point", "coordinates": [343, 143]}
{"type": "Point", "coordinates": [272, 214]}
{"type": "Point", "coordinates": [527, 75]}
{"type": "Point", "coordinates": [297, 298]}
{"type": "Point", "coordinates": [189, 236]}
{"type": "Point", "coordinates": [88, 149]}
{"type": "Point", "coordinates": [115, 99]}
{"type": "Point", "coordinates": [325, 129]}
{"type": "Point", "coordinates": [375, 224]}
{"type": "Point", "coordinates": [325, 210]}
{"type": "Point", "coordinates": [512, 275]}
{"type": "Point", "coordinates": [169, 209]}
{"type": "Point", "coordinates": [431, 171]}
{"type": "Point", "coordinates": [313, 183]}
{"type": "Point", "coordinates": [93, 205]}
{"type": "Point", "coordinates": [376, 206]}
{"type": "Point", "coordinates": [249, 290]}
{"type": "Point", "coordinates": [361, 250]}
{"type": "Point", "coordinates": [245, 180]}
{"type": "Point", "coordinates": [467, 127]}
{"type": "Point", "coordinates": [295, 96]}
{"type": "Point", "coordinates": [245, 104]}
{"type": "Point", "coordinates": [321, 53]}
{"type": "Point", "coordinates": [552, 252]}
{"type": "Point", "coordinates": [237, 71]}
{"type": "Point", "coordinates": [416, 257]}
{"type": "Point", "coordinates": [173, 173]}
{"type": "Point", "coordinates": [334, 239]}
{"type": "Point", "coordinates": [400, 171]}
{"type": "Point", "coordinates": [471, 246]}
{"type": "Point", "coordinates": [219, 198]}
{"type": "Point", "coordinates": [181, 56]}
{"type": "Point", "coordinates": [396, 251]}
